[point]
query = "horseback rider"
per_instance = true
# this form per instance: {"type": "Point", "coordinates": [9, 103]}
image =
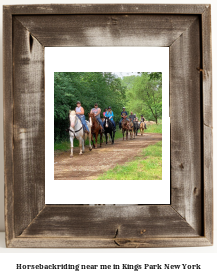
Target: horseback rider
{"type": "Point", "coordinates": [80, 114]}
{"type": "Point", "coordinates": [142, 118]}
{"type": "Point", "coordinates": [110, 115]}
{"type": "Point", "coordinates": [104, 112]}
{"type": "Point", "coordinates": [123, 116]}
{"type": "Point", "coordinates": [96, 111]}
{"type": "Point", "coordinates": [132, 117]}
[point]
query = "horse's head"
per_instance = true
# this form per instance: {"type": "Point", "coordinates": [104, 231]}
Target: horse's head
{"type": "Point", "coordinates": [72, 117]}
{"type": "Point", "coordinates": [106, 122]}
{"type": "Point", "coordinates": [91, 115]}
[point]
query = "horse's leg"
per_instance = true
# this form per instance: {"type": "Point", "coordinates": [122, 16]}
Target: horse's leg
{"type": "Point", "coordinates": [106, 137]}
{"type": "Point", "coordinates": [83, 147]}
{"type": "Point", "coordinates": [101, 139]}
{"type": "Point", "coordinates": [96, 135]}
{"type": "Point", "coordinates": [126, 134]}
{"type": "Point", "coordinates": [71, 140]}
{"type": "Point", "coordinates": [92, 140]}
{"type": "Point", "coordinates": [90, 147]}
{"type": "Point", "coordinates": [123, 133]}
{"type": "Point", "coordinates": [113, 137]}
{"type": "Point", "coordinates": [80, 144]}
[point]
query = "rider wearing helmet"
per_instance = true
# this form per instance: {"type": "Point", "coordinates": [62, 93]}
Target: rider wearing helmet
{"type": "Point", "coordinates": [110, 115]}
{"type": "Point", "coordinates": [79, 110]}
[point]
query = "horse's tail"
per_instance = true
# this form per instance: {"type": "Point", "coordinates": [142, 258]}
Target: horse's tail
{"type": "Point", "coordinates": [90, 122]}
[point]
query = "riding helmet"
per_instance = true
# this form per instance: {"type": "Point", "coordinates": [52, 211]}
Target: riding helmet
{"type": "Point", "coordinates": [78, 102]}
{"type": "Point", "coordinates": [109, 107]}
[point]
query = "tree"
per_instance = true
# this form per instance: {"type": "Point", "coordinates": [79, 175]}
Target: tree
{"type": "Point", "coordinates": [144, 95]}
{"type": "Point", "coordinates": [89, 87]}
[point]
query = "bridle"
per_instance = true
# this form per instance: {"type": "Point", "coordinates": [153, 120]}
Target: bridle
{"type": "Point", "coordinates": [75, 131]}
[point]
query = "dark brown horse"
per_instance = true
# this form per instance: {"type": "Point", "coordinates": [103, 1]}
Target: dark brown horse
{"type": "Point", "coordinates": [96, 129]}
{"type": "Point", "coordinates": [125, 127]}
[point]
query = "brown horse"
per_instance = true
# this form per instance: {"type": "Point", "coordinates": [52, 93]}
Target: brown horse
{"type": "Point", "coordinates": [142, 127]}
{"type": "Point", "coordinates": [131, 129]}
{"type": "Point", "coordinates": [96, 129]}
{"type": "Point", "coordinates": [125, 127]}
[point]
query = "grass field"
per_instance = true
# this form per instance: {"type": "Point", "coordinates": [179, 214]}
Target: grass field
{"type": "Point", "coordinates": [65, 145]}
{"type": "Point", "coordinates": [148, 166]}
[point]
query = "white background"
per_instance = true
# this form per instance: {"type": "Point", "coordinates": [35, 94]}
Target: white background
{"type": "Point", "coordinates": [203, 255]}
{"type": "Point", "coordinates": [105, 59]}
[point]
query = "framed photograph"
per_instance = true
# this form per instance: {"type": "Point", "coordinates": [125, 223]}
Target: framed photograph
{"type": "Point", "coordinates": [111, 77]}
{"type": "Point", "coordinates": [64, 65]}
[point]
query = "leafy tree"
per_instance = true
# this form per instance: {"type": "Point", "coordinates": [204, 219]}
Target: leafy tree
{"type": "Point", "coordinates": [144, 95]}
{"type": "Point", "coordinates": [89, 87]}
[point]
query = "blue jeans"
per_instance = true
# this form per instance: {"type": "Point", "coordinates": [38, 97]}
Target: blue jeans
{"type": "Point", "coordinates": [82, 118]}
{"type": "Point", "coordinates": [100, 121]}
{"type": "Point", "coordinates": [113, 122]}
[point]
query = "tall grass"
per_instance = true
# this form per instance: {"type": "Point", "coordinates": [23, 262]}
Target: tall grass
{"type": "Point", "coordinates": [148, 166]}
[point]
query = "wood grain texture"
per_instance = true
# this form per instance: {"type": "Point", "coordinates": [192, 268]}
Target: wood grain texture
{"type": "Point", "coordinates": [109, 222]}
{"type": "Point", "coordinates": [29, 133]}
{"type": "Point", "coordinates": [8, 125]}
{"type": "Point", "coordinates": [207, 122]}
{"type": "Point", "coordinates": [107, 30]}
{"type": "Point", "coordinates": [208, 183]}
{"type": "Point", "coordinates": [185, 116]}
{"type": "Point", "coordinates": [207, 66]}
{"type": "Point", "coordinates": [34, 242]}
{"type": "Point", "coordinates": [29, 223]}
{"type": "Point", "coordinates": [106, 9]}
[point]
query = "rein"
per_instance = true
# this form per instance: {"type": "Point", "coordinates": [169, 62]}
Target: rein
{"type": "Point", "coordinates": [76, 130]}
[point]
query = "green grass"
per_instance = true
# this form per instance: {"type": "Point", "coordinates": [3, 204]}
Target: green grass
{"type": "Point", "coordinates": [154, 128]}
{"type": "Point", "coordinates": [148, 166]}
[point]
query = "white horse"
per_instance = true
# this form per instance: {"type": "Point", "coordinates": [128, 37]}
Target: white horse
{"type": "Point", "coordinates": [76, 131]}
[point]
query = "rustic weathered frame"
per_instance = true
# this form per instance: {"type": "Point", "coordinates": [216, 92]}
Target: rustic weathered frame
{"type": "Point", "coordinates": [186, 29]}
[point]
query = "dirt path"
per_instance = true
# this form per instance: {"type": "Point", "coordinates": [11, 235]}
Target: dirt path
{"type": "Point", "coordinates": [94, 163]}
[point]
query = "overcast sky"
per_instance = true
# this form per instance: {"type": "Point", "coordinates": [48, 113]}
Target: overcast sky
{"type": "Point", "coordinates": [121, 74]}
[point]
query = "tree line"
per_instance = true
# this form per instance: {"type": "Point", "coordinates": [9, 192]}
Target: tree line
{"type": "Point", "coordinates": [141, 93]}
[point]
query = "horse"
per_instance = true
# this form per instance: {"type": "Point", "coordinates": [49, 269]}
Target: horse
{"type": "Point", "coordinates": [103, 136]}
{"type": "Point", "coordinates": [95, 130]}
{"type": "Point", "coordinates": [142, 127]}
{"type": "Point", "coordinates": [109, 128]}
{"type": "Point", "coordinates": [136, 126]}
{"type": "Point", "coordinates": [76, 131]}
{"type": "Point", "coordinates": [131, 129]}
{"type": "Point", "coordinates": [125, 127]}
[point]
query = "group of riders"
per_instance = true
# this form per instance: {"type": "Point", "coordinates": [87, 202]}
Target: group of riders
{"type": "Point", "coordinates": [79, 110]}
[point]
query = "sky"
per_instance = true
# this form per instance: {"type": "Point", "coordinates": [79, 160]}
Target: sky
{"type": "Point", "coordinates": [121, 74]}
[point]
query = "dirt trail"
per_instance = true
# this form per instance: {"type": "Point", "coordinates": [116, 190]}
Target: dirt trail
{"type": "Point", "coordinates": [94, 163]}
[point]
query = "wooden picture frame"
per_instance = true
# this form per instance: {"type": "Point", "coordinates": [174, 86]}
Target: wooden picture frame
{"type": "Point", "coordinates": [186, 30]}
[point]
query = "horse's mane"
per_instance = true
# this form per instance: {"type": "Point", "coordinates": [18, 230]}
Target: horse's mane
{"type": "Point", "coordinates": [93, 118]}
{"type": "Point", "coordinates": [72, 113]}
